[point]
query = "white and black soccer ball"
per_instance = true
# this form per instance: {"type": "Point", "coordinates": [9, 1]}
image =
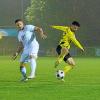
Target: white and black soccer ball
{"type": "Point", "coordinates": [60, 74]}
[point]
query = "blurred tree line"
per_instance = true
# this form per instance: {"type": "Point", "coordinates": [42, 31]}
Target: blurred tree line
{"type": "Point", "coordinates": [62, 12]}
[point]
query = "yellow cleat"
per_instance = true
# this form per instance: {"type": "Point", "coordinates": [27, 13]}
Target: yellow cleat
{"type": "Point", "coordinates": [62, 80]}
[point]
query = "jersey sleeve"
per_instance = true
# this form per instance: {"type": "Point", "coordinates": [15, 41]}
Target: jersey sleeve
{"type": "Point", "coordinates": [62, 28]}
{"type": "Point", "coordinates": [31, 28]}
{"type": "Point", "coordinates": [76, 42]}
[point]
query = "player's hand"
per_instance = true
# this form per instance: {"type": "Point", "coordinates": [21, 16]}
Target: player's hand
{"type": "Point", "coordinates": [43, 36]}
{"type": "Point", "coordinates": [82, 50]}
{"type": "Point", "coordinates": [14, 56]}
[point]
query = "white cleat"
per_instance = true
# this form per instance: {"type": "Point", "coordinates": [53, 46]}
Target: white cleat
{"type": "Point", "coordinates": [31, 77]}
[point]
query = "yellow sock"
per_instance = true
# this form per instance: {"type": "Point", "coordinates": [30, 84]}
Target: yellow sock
{"type": "Point", "coordinates": [67, 68]}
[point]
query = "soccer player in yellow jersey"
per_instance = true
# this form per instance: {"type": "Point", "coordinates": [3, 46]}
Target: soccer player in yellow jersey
{"type": "Point", "coordinates": [64, 45]}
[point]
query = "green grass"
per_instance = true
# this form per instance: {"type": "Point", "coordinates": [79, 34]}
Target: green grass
{"type": "Point", "coordinates": [82, 83]}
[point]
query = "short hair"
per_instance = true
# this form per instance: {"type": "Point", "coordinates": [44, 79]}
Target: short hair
{"type": "Point", "coordinates": [17, 20]}
{"type": "Point", "coordinates": [76, 23]}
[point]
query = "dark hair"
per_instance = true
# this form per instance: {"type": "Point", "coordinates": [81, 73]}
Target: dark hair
{"type": "Point", "coordinates": [76, 23]}
{"type": "Point", "coordinates": [17, 20]}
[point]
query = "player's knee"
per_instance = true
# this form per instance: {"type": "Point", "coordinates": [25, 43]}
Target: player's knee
{"type": "Point", "coordinates": [64, 50]}
{"type": "Point", "coordinates": [22, 65]}
{"type": "Point", "coordinates": [33, 56]}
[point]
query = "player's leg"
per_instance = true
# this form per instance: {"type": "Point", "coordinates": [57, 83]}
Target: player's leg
{"type": "Point", "coordinates": [33, 57]}
{"type": "Point", "coordinates": [23, 60]}
{"type": "Point", "coordinates": [33, 66]}
{"type": "Point", "coordinates": [70, 61]}
{"type": "Point", "coordinates": [62, 51]}
{"type": "Point", "coordinates": [23, 71]}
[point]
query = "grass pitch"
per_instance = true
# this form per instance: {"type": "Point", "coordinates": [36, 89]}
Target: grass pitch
{"type": "Point", "coordinates": [82, 83]}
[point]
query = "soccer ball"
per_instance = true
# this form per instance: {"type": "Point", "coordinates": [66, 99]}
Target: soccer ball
{"type": "Point", "coordinates": [60, 74]}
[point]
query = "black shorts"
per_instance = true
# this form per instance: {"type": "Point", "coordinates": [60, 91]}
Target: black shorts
{"type": "Point", "coordinates": [58, 50]}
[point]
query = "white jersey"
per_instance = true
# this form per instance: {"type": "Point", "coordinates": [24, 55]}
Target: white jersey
{"type": "Point", "coordinates": [28, 38]}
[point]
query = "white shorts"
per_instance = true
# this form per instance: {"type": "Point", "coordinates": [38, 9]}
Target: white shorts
{"type": "Point", "coordinates": [32, 51]}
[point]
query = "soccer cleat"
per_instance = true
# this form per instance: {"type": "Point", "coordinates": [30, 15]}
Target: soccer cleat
{"type": "Point", "coordinates": [24, 79]}
{"type": "Point", "coordinates": [31, 77]}
{"type": "Point", "coordinates": [63, 80]}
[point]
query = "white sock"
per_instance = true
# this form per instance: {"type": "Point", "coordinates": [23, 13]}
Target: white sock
{"type": "Point", "coordinates": [33, 67]}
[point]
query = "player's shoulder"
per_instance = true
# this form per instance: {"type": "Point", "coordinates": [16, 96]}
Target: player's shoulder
{"type": "Point", "coordinates": [70, 33]}
{"type": "Point", "coordinates": [19, 32]}
{"type": "Point", "coordinates": [29, 26]}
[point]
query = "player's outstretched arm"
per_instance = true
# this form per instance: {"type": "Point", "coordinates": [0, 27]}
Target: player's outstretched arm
{"type": "Point", "coordinates": [77, 43]}
{"type": "Point", "coordinates": [19, 49]}
{"type": "Point", "coordinates": [40, 31]}
{"type": "Point", "coordinates": [62, 28]}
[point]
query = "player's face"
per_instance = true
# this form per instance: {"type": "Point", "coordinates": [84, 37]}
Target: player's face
{"type": "Point", "coordinates": [20, 25]}
{"type": "Point", "coordinates": [74, 28]}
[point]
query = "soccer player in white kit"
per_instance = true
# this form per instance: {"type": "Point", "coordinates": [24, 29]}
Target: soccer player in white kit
{"type": "Point", "coordinates": [29, 47]}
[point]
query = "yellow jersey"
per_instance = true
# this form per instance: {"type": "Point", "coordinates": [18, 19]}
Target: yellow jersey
{"type": "Point", "coordinates": [67, 37]}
